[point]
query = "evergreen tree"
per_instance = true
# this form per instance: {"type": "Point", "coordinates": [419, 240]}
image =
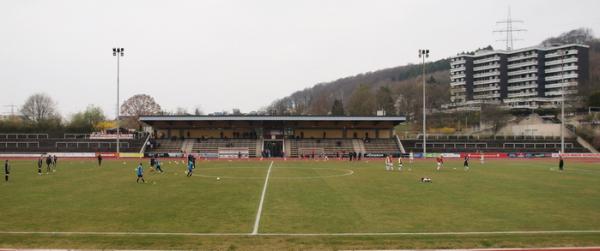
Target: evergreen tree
{"type": "Point", "coordinates": [337, 109]}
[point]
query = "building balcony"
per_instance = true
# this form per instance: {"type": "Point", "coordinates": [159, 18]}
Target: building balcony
{"type": "Point", "coordinates": [522, 64]}
{"type": "Point", "coordinates": [487, 81]}
{"type": "Point", "coordinates": [517, 80]}
{"type": "Point", "coordinates": [486, 67]}
{"type": "Point", "coordinates": [458, 62]}
{"type": "Point", "coordinates": [559, 92]}
{"type": "Point", "coordinates": [556, 54]}
{"type": "Point", "coordinates": [457, 83]}
{"type": "Point", "coordinates": [519, 72]}
{"type": "Point", "coordinates": [487, 88]}
{"type": "Point", "coordinates": [487, 60]}
{"type": "Point", "coordinates": [522, 94]}
{"type": "Point", "coordinates": [560, 61]}
{"type": "Point", "coordinates": [486, 74]}
{"type": "Point", "coordinates": [460, 91]}
{"type": "Point", "coordinates": [486, 96]}
{"type": "Point", "coordinates": [559, 69]}
{"type": "Point", "coordinates": [458, 69]}
{"type": "Point", "coordinates": [561, 76]}
{"type": "Point", "coordinates": [521, 57]}
{"type": "Point", "coordinates": [561, 85]}
{"type": "Point", "coordinates": [522, 87]}
{"type": "Point", "coordinates": [457, 76]}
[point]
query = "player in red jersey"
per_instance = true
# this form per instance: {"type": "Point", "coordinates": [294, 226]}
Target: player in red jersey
{"type": "Point", "coordinates": [440, 162]}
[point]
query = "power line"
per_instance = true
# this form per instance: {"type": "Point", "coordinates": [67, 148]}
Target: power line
{"type": "Point", "coordinates": [509, 30]}
{"type": "Point", "coordinates": [12, 109]}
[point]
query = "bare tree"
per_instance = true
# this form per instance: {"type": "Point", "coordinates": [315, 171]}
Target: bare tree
{"type": "Point", "coordinates": [139, 105]}
{"type": "Point", "coordinates": [39, 107]}
{"type": "Point", "coordinates": [136, 106]}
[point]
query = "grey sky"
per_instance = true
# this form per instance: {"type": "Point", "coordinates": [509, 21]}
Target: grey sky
{"type": "Point", "coordinates": [241, 54]}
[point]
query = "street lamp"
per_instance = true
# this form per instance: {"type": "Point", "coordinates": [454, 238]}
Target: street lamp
{"type": "Point", "coordinates": [118, 52]}
{"type": "Point", "coordinates": [424, 53]}
{"type": "Point", "coordinates": [562, 53]}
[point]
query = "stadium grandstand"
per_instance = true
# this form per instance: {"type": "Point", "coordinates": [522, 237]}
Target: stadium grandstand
{"type": "Point", "coordinates": [273, 136]}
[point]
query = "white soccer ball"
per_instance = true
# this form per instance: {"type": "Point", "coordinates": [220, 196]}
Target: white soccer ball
{"type": "Point", "coordinates": [218, 178]}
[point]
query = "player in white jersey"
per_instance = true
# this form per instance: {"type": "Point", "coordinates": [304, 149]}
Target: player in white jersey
{"type": "Point", "coordinates": [389, 164]}
{"type": "Point", "coordinates": [411, 157]}
{"type": "Point", "coordinates": [481, 157]}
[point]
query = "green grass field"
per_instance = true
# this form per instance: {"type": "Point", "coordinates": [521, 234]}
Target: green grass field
{"type": "Point", "coordinates": [307, 205]}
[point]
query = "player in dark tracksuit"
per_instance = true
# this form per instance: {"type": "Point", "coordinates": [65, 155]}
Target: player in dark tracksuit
{"type": "Point", "coordinates": [6, 170]}
{"type": "Point", "coordinates": [99, 159]}
{"type": "Point", "coordinates": [561, 164]}
{"type": "Point", "coordinates": [40, 163]}
{"type": "Point", "coordinates": [466, 163]}
{"type": "Point", "coordinates": [48, 163]}
{"type": "Point", "coordinates": [158, 168]}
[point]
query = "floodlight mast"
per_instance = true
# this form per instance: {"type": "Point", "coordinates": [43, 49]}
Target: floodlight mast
{"type": "Point", "coordinates": [118, 52]}
{"type": "Point", "coordinates": [424, 53]}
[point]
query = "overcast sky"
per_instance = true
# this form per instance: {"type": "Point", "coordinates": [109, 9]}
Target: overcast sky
{"type": "Point", "coordinates": [242, 54]}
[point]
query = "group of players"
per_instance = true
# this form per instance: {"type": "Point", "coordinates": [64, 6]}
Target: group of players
{"type": "Point", "coordinates": [155, 165]}
{"type": "Point", "coordinates": [389, 162]}
{"type": "Point", "coordinates": [51, 163]}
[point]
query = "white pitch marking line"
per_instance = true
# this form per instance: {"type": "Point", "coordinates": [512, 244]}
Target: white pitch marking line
{"type": "Point", "coordinates": [310, 234]}
{"type": "Point", "coordinates": [438, 233]}
{"type": "Point", "coordinates": [262, 199]}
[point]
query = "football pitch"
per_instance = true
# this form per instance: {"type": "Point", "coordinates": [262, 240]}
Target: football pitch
{"type": "Point", "coordinates": [258, 205]}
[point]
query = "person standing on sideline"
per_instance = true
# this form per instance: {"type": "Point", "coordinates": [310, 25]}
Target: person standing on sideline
{"type": "Point", "coordinates": [99, 159]}
{"type": "Point", "coordinates": [561, 163]}
{"type": "Point", "coordinates": [40, 163]}
{"type": "Point", "coordinates": [6, 170]}
{"type": "Point", "coordinates": [411, 157]}
{"type": "Point", "coordinates": [466, 163]}
{"type": "Point", "coordinates": [140, 173]}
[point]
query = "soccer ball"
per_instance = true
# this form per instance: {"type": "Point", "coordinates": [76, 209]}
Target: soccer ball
{"type": "Point", "coordinates": [218, 178]}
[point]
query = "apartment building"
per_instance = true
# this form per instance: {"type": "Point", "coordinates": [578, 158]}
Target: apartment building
{"type": "Point", "coordinates": [529, 78]}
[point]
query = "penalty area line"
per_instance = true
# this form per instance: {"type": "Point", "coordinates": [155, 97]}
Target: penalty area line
{"type": "Point", "coordinates": [262, 200]}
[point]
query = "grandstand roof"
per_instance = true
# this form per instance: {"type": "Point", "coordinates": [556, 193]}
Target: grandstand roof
{"type": "Point", "coordinates": [265, 120]}
{"type": "Point", "coordinates": [397, 119]}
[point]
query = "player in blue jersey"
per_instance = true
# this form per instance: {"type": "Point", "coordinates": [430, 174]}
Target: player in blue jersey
{"type": "Point", "coordinates": [140, 173]}
{"type": "Point", "coordinates": [190, 168]}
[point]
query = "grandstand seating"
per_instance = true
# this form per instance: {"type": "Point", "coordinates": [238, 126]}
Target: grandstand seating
{"type": "Point", "coordinates": [167, 146]}
{"type": "Point", "coordinates": [41, 143]}
{"type": "Point", "coordinates": [330, 147]}
{"type": "Point", "coordinates": [387, 146]}
{"type": "Point", "coordinates": [530, 144]}
{"type": "Point", "coordinates": [211, 146]}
